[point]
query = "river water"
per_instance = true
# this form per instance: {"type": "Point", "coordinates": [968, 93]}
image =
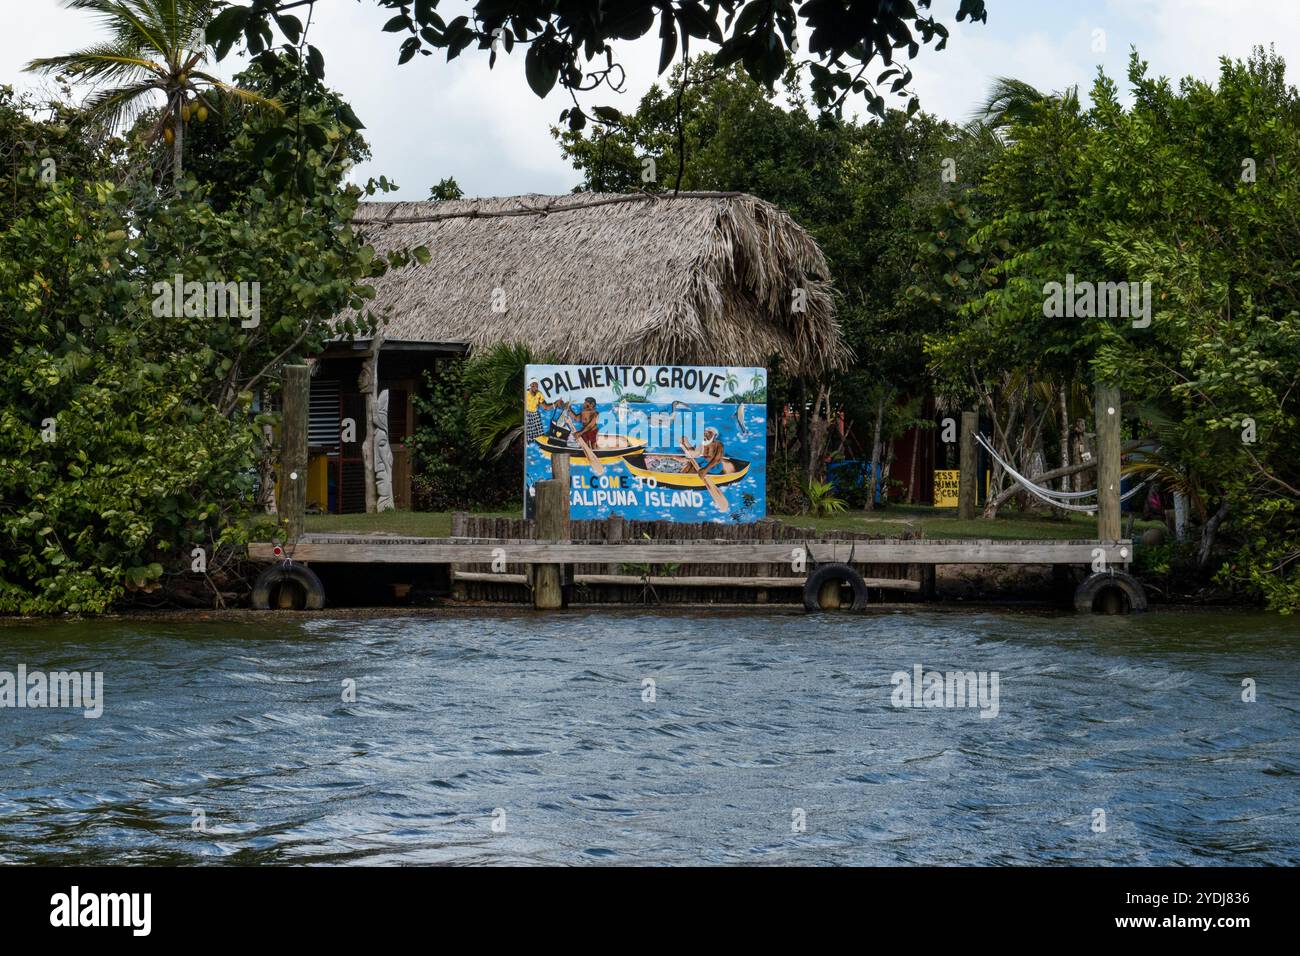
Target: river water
{"type": "Point", "coordinates": [764, 739]}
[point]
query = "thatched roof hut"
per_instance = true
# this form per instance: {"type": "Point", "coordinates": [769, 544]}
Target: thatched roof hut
{"type": "Point", "coordinates": [700, 278]}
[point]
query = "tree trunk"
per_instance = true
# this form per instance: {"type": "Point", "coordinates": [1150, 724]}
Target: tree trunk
{"type": "Point", "coordinates": [266, 467]}
{"type": "Point", "coordinates": [819, 430]}
{"type": "Point", "coordinates": [1064, 410]}
{"type": "Point", "coordinates": [178, 131]}
{"type": "Point", "coordinates": [1082, 450]}
{"type": "Point", "coordinates": [875, 452]}
{"type": "Point", "coordinates": [886, 466]}
{"type": "Point", "coordinates": [1180, 517]}
{"type": "Point", "coordinates": [803, 427]}
{"type": "Point", "coordinates": [1207, 536]}
{"type": "Point", "coordinates": [911, 473]}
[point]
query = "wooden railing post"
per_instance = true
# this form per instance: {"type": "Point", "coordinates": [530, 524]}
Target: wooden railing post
{"type": "Point", "coordinates": [1107, 412]}
{"type": "Point", "coordinates": [552, 524]}
{"type": "Point", "coordinates": [293, 449]}
{"type": "Point", "coordinates": [967, 489]}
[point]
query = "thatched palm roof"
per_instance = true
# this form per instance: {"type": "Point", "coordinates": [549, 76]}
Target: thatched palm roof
{"type": "Point", "coordinates": [693, 279]}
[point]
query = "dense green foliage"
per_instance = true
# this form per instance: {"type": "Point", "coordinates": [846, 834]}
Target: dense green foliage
{"type": "Point", "coordinates": [1192, 190]}
{"type": "Point", "coordinates": [573, 44]}
{"type": "Point", "coordinates": [132, 433]}
{"type": "Point", "coordinates": [129, 431]}
{"type": "Point", "coordinates": [456, 468]}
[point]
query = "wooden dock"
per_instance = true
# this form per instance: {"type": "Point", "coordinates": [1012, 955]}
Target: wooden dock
{"type": "Point", "coordinates": [699, 570]}
{"type": "Point", "coordinates": [548, 558]}
{"type": "Point", "coordinates": [392, 549]}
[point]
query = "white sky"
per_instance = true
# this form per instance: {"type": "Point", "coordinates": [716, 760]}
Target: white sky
{"type": "Point", "coordinates": [429, 119]}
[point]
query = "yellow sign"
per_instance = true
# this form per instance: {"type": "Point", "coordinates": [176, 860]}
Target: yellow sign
{"type": "Point", "coordinates": [945, 488]}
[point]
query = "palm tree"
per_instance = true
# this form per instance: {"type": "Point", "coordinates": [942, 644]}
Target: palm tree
{"type": "Point", "coordinates": [155, 46]}
{"type": "Point", "coordinates": [494, 381]}
{"type": "Point", "coordinates": [1011, 101]}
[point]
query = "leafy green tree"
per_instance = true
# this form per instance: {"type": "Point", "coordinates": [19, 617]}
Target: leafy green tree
{"type": "Point", "coordinates": [454, 472]}
{"type": "Point", "coordinates": [1003, 232]}
{"type": "Point", "coordinates": [572, 44]}
{"type": "Point", "coordinates": [445, 189]}
{"type": "Point", "coordinates": [228, 153]}
{"type": "Point", "coordinates": [1207, 218]}
{"type": "Point", "coordinates": [1187, 190]}
{"type": "Point", "coordinates": [129, 430]}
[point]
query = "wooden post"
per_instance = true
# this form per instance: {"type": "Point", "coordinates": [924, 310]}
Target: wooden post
{"type": "Point", "coordinates": [561, 470]}
{"type": "Point", "coordinates": [967, 489]}
{"type": "Point", "coordinates": [560, 465]}
{"type": "Point", "coordinates": [552, 524]}
{"type": "Point", "coordinates": [368, 385]}
{"type": "Point", "coordinates": [293, 448]}
{"type": "Point", "coordinates": [1107, 413]}
{"type": "Point", "coordinates": [615, 527]}
{"type": "Point", "coordinates": [459, 591]}
{"type": "Point", "coordinates": [928, 582]}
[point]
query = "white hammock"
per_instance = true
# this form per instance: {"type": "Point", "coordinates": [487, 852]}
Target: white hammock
{"type": "Point", "coordinates": [1048, 495]}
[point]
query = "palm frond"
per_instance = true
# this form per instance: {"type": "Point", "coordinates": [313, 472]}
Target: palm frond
{"type": "Point", "coordinates": [133, 25]}
{"type": "Point", "coordinates": [495, 381]}
{"type": "Point", "coordinates": [107, 61]}
{"type": "Point", "coordinates": [1011, 102]}
{"type": "Point", "coordinates": [118, 107]}
{"type": "Point", "coordinates": [245, 96]}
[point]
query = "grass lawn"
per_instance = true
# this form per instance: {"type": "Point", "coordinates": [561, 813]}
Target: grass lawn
{"type": "Point", "coordinates": [893, 520]}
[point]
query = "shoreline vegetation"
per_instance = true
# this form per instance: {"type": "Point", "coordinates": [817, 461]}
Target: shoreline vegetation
{"type": "Point", "coordinates": [894, 276]}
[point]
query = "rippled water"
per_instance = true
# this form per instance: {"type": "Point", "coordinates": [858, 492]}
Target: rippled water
{"type": "Point", "coordinates": [459, 718]}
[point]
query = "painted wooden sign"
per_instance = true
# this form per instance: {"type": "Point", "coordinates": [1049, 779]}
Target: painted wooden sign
{"type": "Point", "coordinates": [650, 442]}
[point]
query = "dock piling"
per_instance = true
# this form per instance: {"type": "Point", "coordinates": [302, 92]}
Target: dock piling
{"type": "Point", "coordinates": [1108, 459]}
{"type": "Point", "coordinates": [967, 490]}
{"type": "Point", "coordinates": [293, 449]}
{"type": "Point", "coordinates": [552, 501]}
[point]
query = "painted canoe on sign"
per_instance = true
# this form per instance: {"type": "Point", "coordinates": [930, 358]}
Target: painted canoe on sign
{"type": "Point", "coordinates": [607, 448]}
{"type": "Point", "coordinates": [674, 471]}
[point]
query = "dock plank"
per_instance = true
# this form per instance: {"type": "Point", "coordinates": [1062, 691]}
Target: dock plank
{"type": "Point", "coordinates": [688, 581]}
{"type": "Point", "coordinates": [380, 549]}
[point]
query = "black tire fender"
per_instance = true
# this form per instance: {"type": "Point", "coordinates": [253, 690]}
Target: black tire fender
{"type": "Point", "coordinates": [298, 576]}
{"type": "Point", "coordinates": [1085, 596]}
{"type": "Point", "coordinates": [826, 573]}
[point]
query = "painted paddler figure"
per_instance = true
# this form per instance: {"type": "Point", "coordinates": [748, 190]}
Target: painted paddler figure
{"type": "Point", "coordinates": [534, 401]}
{"type": "Point", "coordinates": [713, 451]}
{"type": "Point", "coordinates": [589, 422]}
